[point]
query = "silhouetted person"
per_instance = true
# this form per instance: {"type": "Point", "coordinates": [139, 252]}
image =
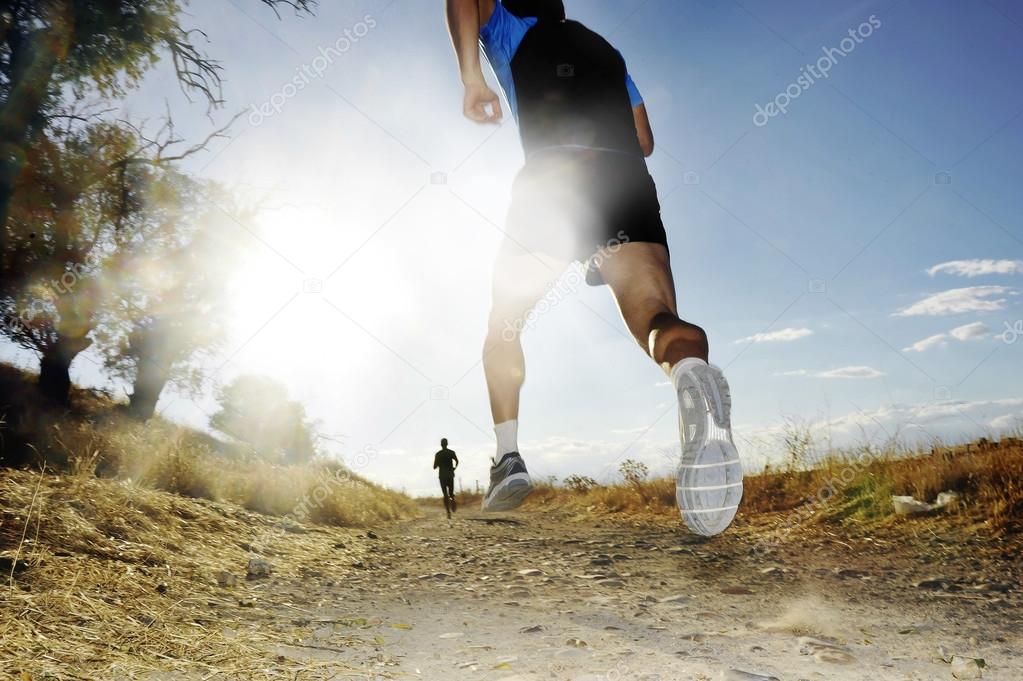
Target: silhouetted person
{"type": "Point", "coordinates": [445, 462]}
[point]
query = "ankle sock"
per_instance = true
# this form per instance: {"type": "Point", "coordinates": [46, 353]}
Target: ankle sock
{"type": "Point", "coordinates": [507, 438]}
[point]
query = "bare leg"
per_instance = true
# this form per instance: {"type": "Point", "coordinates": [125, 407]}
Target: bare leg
{"type": "Point", "coordinates": [520, 280]}
{"type": "Point", "coordinates": [639, 275]}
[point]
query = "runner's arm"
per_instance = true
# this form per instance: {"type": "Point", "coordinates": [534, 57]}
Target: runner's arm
{"type": "Point", "coordinates": [436, 460]}
{"type": "Point", "coordinates": [643, 131]}
{"type": "Point", "coordinates": [639, 115]}
{"type": "Point", "coordinates": [464, 20]}
{"type": "Point", "coordinates": [455, 457]}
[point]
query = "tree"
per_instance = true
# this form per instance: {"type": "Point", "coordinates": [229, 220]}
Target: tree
{"type": "Point", "coordinates": [258, 411]}
{"type": "Point", "coordinates": [65, 224]}
{"type": "Point", "coordinates": [167, 304]}
{"type": "Point", "coordinates": [92, 196]}
{"type": "Point", "coordinates": [50, 47]}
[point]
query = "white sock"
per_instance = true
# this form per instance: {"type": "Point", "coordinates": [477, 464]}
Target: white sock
{"type": "Point", "coordinates": [507, 437]}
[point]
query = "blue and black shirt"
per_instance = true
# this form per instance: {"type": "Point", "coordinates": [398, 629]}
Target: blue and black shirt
{"type": "Point", "coordinates": [566, 85]}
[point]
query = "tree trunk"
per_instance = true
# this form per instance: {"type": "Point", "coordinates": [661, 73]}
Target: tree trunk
{"type": "Point", "coordinates": [150, 380]}
{"type": "Point", "coordinates": [55, 370]}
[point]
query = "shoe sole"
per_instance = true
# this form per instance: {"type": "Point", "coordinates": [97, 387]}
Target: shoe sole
{"type": "Point", "coordinates": [708, 484]}
{"type": "Point", "coordinates": [509, 493]}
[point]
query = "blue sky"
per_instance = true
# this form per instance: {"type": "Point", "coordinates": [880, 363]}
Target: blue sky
{"type": "Point", "coordinates": [814, 249]}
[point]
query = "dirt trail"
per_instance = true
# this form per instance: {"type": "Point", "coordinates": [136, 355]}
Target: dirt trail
{"type": "Point", "coordinates": [532, 596]}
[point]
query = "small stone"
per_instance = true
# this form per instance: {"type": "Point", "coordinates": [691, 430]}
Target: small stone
{"type": "Point", "coordinates": [371, 535]}
{"type": "Point", "coordinates": [535, 629]}
{"type": "Point", "coordinates": [531, 572]}
{"type": "Point", "coordinates": [739, 675]}
{"type": "Point", "coordinates": [575, 643]}
{"type": "Point", "coordinates": [967, 667]}
{"type": "Point", "coordinates": [934, 584]}
{"type": "Point", "coordinates": [258, 569]}
{"type": "Point", "coordinates": [677, 598]}
{"type": "Point", "coordinates": [907, 506]}
{"type": "Point", "coordinates": [824, 651]}
{"type": "Point", "coordinates": [226, 579]}
{"type": "Point", "coordinates": [161, 588]}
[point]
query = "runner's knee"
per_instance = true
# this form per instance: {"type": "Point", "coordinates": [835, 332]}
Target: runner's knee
{"type": "Point", "coordinates": [503, 326]}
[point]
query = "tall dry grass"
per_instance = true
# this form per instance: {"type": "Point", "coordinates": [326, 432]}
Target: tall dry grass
{"type": "Point", "coordinates": [847, 487]}
{"type": "Point", "coordinates": [96, 439]}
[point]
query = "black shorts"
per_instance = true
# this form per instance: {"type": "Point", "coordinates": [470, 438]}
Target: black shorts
{"type": "Point", "coordinates": [581, 204]}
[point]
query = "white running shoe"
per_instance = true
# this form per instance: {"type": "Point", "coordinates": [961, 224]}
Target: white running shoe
{"type": "Point", "coordinates": [708, 486]}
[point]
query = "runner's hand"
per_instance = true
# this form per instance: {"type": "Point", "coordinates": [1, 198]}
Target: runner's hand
{"type": "Point", "coordinates": [478, 97]}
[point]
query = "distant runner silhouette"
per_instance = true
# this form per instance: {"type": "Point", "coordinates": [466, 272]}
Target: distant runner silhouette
{"type": "Point", "coordinates": [585, 195]}
{"type": "Point", "coordinates": [445, 462]}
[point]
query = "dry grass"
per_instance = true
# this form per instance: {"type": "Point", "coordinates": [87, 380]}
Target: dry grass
{"type": "Point", "coordinates": [105, 579]}
{"type": "Point", "coordinates": [96, 439]}
{"type": "Point", "coordinates": [849, 487]}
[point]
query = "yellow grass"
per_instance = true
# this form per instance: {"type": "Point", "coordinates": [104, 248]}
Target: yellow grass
{"type": "Point", "coordinates": [104, 579]}
{"type": "Point", "coordinates": [840, 487]}
{"type": "Point", "coordinates": [96, 439]}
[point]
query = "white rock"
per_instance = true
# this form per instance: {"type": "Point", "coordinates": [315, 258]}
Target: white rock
{"type": "Point", "coordinates": [967, 667]}
{"type": "Point", "coordinates": [909, 506]}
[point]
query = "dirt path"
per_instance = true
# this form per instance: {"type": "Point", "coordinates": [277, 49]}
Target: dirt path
{"type": "Point", "coordinates": [531, 596]}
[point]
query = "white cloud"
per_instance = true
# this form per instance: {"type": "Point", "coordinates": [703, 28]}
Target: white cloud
{"type": "Point", "coordinates": [958, 300]}
{"type": "Point", "coordinates": [782, 335]}
{"type": "Point", "coordinates": [918, 424]}
{"type": "Point", "coordinates": [936, 340]}
{"type": "Point", "coordinates": [841, 372]}
{"type": "Point", "coordinates": [977, 268]}
{"type": "Point", "coordinates": [973, 331]}
{"type": "Point", "coordinates": [850, 372]}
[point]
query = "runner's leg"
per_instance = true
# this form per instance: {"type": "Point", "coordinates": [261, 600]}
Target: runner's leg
{"type": "Point", "coordinates": [444, 495]}
{"type": "Point", "coordinates": [708, 483]}
{"type": "Point", "coordinates": [520, 279]}
{"type": "Point", "coordinates": [639, 275]}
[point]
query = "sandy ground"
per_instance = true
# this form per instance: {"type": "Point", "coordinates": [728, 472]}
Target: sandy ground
{"type": "Point", "coordinates": [534, 596]}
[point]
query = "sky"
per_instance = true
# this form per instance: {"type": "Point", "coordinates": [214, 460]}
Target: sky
{"type": "Point", "coordinates": [839, 182]}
